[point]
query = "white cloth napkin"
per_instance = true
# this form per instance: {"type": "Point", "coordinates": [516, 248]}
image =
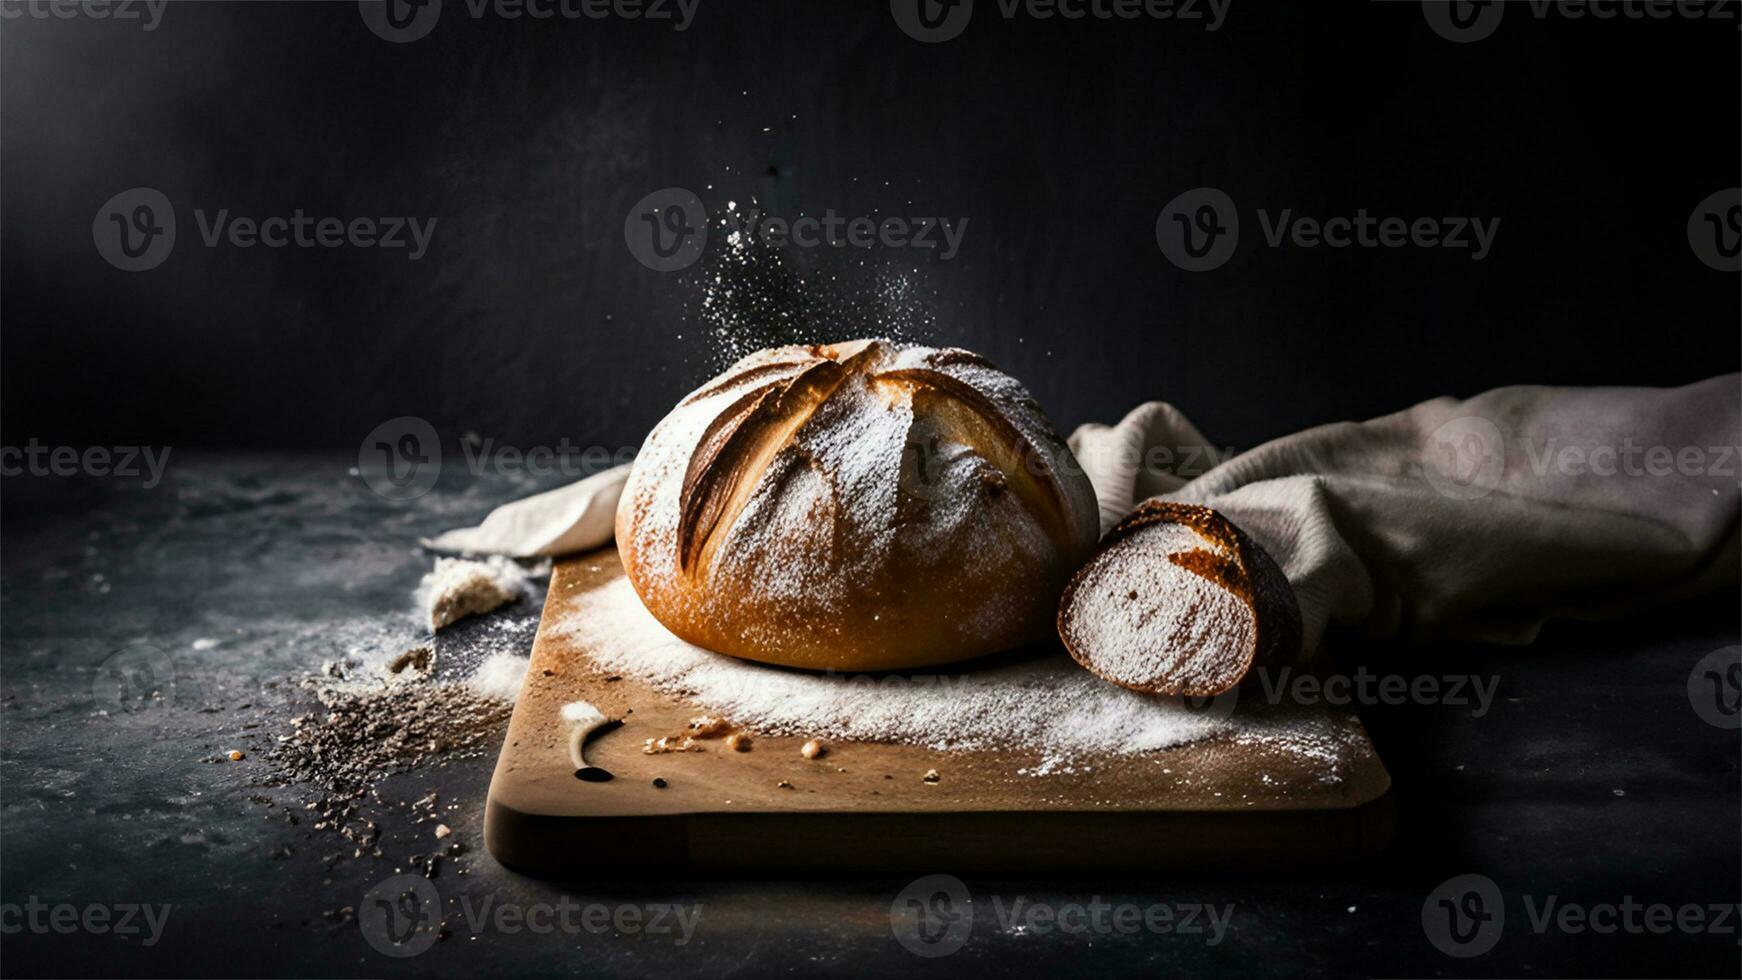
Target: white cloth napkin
{"type": "Point", "coordinates": [1470, 520]}
{"type": "Point", "coordinates": [578, 517]}
{"type": "Point", "coordinates": [1477, 519]}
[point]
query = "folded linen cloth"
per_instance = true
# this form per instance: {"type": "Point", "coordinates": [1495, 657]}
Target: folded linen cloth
{"type": "Point", "coordinates": [577, 517]}
{"type": "Point", "coordinates": [1478, 519]}
{"type": "Point", "coordinates": [1472, 520]}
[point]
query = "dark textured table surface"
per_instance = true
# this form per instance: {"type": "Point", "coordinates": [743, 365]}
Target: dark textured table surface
{"type": "Point", "coordinates": [1590, 779]}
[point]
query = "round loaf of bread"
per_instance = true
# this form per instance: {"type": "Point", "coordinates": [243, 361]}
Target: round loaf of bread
{"type": "Point", "coordinates": [856, 506]}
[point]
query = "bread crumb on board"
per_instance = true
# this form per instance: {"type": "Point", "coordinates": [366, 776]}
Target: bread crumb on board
{"type": "Point", "coordinates": [708, 726]}
{"type": "Point", "coordinates": [813, 749]}
{"type": "Point", "coordinates": [459, 587]}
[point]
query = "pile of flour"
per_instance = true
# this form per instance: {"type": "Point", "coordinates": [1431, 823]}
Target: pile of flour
{"type": "Point", "coordinates": [1047, 704]}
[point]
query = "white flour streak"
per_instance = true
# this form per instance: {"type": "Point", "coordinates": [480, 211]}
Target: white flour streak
{"type": "Point", "coordinates": [1047, 704]}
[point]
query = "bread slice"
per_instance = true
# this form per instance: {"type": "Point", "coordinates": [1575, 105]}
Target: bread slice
{"type": "Point", "coordinates": [1178, 601]}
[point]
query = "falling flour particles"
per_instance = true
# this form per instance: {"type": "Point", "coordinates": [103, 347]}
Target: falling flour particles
{"type": "Point", "coordinates": [1048, 704]}
{"type": "Point", "coordinates": [754, 295]}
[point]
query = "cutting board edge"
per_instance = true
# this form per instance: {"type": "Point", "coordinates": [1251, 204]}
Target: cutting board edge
{"type": "Point", "coordinates": [776, 843]}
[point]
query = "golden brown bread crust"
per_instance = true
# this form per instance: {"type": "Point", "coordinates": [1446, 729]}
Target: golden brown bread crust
{"type": "Point", "coordinates": [856, 506]}
{"type": "Point", "coordinates": [1209, 661]}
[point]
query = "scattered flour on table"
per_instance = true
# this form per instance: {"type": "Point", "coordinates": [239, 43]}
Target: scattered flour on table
{"type": "Point", "coordinates": [500, 675]}
{"type": "Point", "coordinates": [1048, 704]}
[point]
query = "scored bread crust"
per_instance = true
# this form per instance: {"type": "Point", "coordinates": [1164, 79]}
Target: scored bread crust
{"type": "Point", "coordinates": [856, 506]}
{"type": "Point", "coordinates": [1215, 655]}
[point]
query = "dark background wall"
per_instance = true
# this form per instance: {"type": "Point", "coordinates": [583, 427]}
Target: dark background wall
{"type": "Point", "coordinates": [530, 321]}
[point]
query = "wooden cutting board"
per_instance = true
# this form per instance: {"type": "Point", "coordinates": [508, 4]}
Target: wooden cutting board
{"type": "Point", "coordinates": [1222, 802]}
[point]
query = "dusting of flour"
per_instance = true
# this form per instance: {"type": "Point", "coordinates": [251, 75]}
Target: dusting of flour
{"type": "Point", "coordinates": [1047, 704]}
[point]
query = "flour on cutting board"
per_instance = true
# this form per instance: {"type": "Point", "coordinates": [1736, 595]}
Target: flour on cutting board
{"type": "Point", "coordinates": [1048, 704]}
